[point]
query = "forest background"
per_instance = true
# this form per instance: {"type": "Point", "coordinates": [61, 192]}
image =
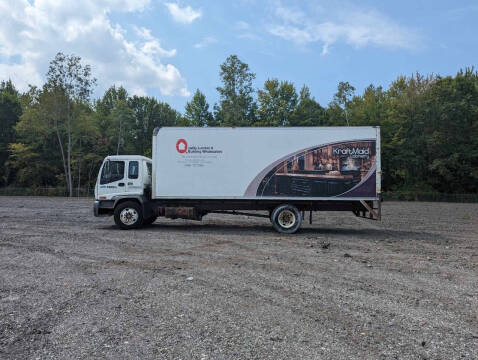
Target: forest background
{"type": "Point", "coordinates": [55, 137]}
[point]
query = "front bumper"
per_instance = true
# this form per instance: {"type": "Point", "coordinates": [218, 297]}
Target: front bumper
{"type": "Point", "coordinates": [96, 208]}
{"type": "Point", "coordinates": [103, 207]}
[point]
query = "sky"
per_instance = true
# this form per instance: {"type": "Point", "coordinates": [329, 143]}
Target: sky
{"type": "Point", "coordinates": [168, 49]}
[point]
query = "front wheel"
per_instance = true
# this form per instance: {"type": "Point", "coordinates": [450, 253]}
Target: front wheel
{"type": "Point", "coordinates": [128, 215]}
{"type": "Point", "coordinates": [286, 219]}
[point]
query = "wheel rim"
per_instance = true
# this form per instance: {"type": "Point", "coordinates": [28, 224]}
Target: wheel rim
{"type": "Point", "coordinates": [129, 216]}
{"type": "Point", "coordinates": [286, 219]}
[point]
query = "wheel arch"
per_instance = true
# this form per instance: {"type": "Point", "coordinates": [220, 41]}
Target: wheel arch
{"type": "Point", "coordinates": [146, 205]}
{"type": "Point", "coordinates": [120, 200]}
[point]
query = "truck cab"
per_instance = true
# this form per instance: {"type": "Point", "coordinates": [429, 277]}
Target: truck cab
{"type": "Point", "coordinates": [122, 178]}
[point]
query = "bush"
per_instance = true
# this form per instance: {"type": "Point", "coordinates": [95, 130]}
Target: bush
{"type": "Point", "coordinates": [45, 191]}
{"type": "Point", "coordinates": [429, 196]}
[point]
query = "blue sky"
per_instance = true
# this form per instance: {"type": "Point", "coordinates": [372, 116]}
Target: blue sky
{"type": "Point", "coordinates": [168, 49]}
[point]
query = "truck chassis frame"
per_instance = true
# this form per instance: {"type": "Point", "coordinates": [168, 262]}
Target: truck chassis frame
{"type": "Point", "coordinates": [195, 209]}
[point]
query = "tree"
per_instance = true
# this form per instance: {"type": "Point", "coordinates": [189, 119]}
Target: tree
{"type": "Point", "coordinates": [236, 106]}
{"type": "Point", "coordinates": [34, 131]}
{"type": "Point", "coordinates": [146, 117]}
{"type": "Point", "coordinates": [85, 132]}
{"type": "Point", "coordinates": [109, 123]}
{"type": "Point", "coordinates": [197, 111]}
{"type": "Point", "coordinates": [10, 112]}
{"type": "Point", "coordinates": [148, 113]}
{"type": "Point", "coordinates": [277, 102]}
{"type": "Point", "coordinates": [124, 121]}
{"type": "Point", "coordinates": [28, 166]}
{"type": "Point", "coordinates": [53, 136]}
{"type": "Point", "coordinates": [451, 132]}
{"type": "Point", "coordinates": [403, 140]}
{"type": "Point", "coordinates": [368, 109]}
{"type": "Point", "coordinates": [342, 98]}
{"type": "Point", "coordinates": [308, 111]}
{"type": "Point", "coordinates": [69, 83]}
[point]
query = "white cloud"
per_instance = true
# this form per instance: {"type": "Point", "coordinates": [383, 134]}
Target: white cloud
{"type": "Point", "coordinates": [184, 15]}
{"type": "Point", "coordinates": [249, 36]}
{"type": "Point", "coordinates": [31, 33]}
{"type": "Point", "coordinates": [242, 25]}
{"type": "Point", "coordinates": [245, 31]}
{"type": "Point", "coordinates": [151, 44]}
{"type": "Point", "coordinates": [355, 27]}
{"type": "Point", "coordinates": [292, 15]}
{"type": "Point", "coordinates": [208, 40]}
{"type": "Point", "coordinates": [22, 75]}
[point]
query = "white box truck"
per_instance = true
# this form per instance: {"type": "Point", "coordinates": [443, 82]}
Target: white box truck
{"type": "Point", "coordinates": [283, 171]}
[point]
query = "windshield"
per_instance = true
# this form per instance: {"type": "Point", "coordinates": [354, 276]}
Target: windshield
{"type": "Point", "coordinates": [112, 171]}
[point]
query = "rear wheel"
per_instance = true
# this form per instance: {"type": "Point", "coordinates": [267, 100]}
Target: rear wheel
{"type": "Point", "coordinates": [128, 215]}
{"type": "Point", "coordinates": [286, 219]}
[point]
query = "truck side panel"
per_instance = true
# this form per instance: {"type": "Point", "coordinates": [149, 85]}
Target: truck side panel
{"type": "Point", "coordinates": [266, 163]}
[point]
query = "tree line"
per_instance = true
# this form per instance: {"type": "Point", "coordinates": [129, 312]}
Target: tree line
{"type": "Point", "coordinates": [57, 135]}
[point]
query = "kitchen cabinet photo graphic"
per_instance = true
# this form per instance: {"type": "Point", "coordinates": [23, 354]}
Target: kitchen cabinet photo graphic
{"type": "Point", "coordinates": [324, 171]}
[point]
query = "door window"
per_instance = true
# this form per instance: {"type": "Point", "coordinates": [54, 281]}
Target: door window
{"type": "Point", "coordinates": [133, 170]}
{"type": "Point", "coordinates": [112, 171]}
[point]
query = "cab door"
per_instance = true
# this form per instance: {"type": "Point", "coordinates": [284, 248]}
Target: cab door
{"type": "Point", "coordinates": [112, 178]}
{"type": "Point", "coordinates": [134, 181]}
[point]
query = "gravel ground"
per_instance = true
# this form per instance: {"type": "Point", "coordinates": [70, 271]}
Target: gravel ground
{"type": "Point", "coordinates": [74, 286]}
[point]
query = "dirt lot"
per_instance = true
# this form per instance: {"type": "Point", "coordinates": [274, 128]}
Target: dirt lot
{"type": "Point", "coordinates": [73, 286]}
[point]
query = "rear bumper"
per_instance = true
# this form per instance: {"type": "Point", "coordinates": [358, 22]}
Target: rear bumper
{"type": "Point", "coordinates": [103, 207]}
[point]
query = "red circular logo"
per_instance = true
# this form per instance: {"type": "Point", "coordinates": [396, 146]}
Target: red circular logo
{"type": "Point", "coordinates": [182, 146]}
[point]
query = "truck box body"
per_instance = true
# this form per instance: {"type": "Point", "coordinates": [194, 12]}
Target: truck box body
{"type": "Point", "coordinates": [307, 163]}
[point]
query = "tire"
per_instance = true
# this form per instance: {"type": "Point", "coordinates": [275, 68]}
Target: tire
{"type": "Point", "coordinates": [150, 220]}
{"type": "Point", "coordinates": [286, 219]}
{"type": "Point", "coordinates": [128, 215]}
